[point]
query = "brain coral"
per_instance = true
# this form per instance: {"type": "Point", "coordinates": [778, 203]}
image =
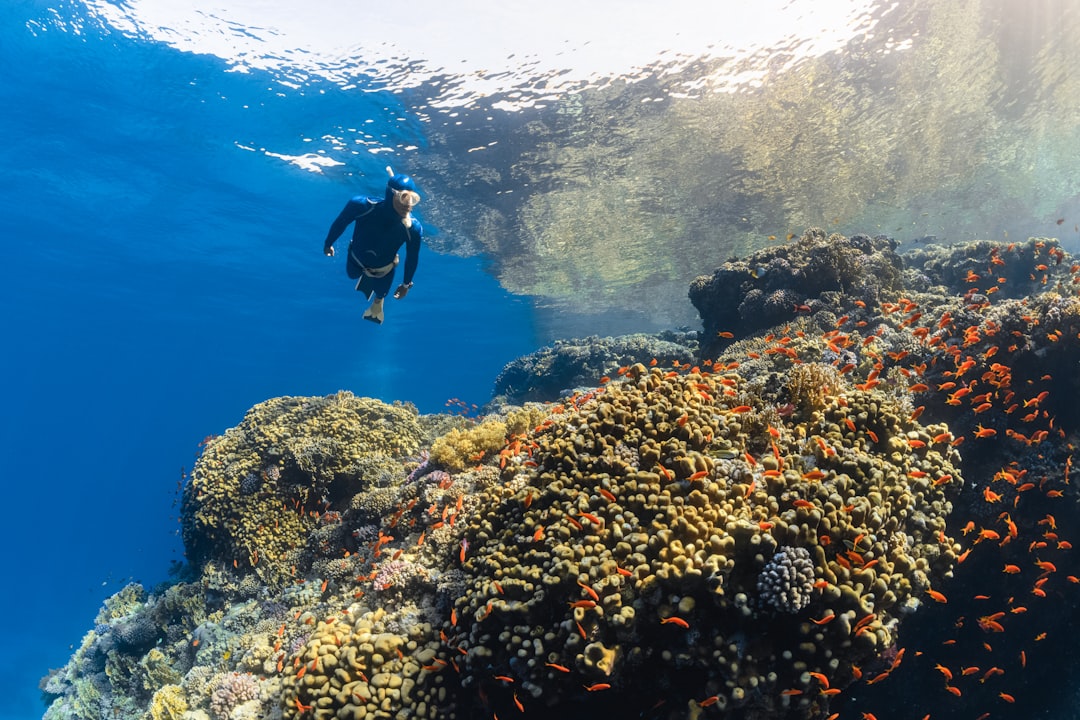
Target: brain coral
{"type": "Point", "coordinates": [629, 557]}
{"type": "Point", "coordinates": [309, 454]}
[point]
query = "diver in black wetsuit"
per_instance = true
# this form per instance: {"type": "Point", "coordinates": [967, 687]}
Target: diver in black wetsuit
{"type": "Point", "coordinates": [381, 228]}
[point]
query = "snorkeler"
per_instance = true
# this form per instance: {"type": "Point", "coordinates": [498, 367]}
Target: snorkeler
{"type": "Point", "coordinates": [381, 228]}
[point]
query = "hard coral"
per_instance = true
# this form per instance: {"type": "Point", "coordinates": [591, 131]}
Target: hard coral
{"type": "Point", "coordinates": [777, 284]}
{"type": "Point", "coordinates": [810, 385]}
{"type": "Point", "coordinates": [307, 454]}
{"type": "Point", "coordinates": [611, 569]}
{"type": "Point", "coordinates": [786, 583]}
{"type": "Point", "coordinates": [356, 669]}
{"type": "Point", "coordinates": [232, 690]}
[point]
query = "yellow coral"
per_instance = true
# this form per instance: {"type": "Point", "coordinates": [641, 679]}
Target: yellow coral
{"type": "Point", "coordinates": [254, 494]}
{"type": "Point", "coordinates": [811, 384]}
{"type": "Point", "coordinates": [459, 449]}
{"type": "Point", "coordinates": [353, 670]}
{"type": "Point", "coordinates": [168, 703]}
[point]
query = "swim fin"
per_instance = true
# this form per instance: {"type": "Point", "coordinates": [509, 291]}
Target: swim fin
{"type": "Point", "coordinates": [375, 312]}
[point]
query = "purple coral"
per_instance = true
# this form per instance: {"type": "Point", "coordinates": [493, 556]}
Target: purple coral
{"type": "Point", "coordinates": [422, 469]}
{"type": "Point", "coordinates": [787, 581]}
{"type": "Point", "coordinates": [231, 691]}
{"type": "Point", "coordinates": [397, 574]}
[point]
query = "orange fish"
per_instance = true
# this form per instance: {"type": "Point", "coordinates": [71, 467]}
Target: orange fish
{"type": "Point", "coordinates": [675, 621]}
{"type": "Point", "coordinates": [589, 590]}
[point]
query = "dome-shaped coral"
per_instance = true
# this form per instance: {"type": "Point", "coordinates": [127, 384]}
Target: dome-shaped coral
{"type": "Point", "coordinates": [255, 493]}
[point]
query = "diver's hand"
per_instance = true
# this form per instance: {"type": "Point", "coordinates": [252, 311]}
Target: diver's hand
{"type": "Point", "coordinates": [328, 250]}
{"type": "Point", "coordinates": [402, 291]}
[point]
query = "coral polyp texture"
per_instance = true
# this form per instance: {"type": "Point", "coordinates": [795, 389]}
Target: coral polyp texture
{"type": "Point", "coordinates": [258, 491]}
{"type": "Point", "coordinates": [594, 570]}
{"type": "Point", "coordinates": [746, 533]}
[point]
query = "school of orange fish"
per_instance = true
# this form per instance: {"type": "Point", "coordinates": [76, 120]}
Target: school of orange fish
{"type": "Point", "coordinates": [982, 376]}
{"type": "Point", "coordinates": [964, 373]}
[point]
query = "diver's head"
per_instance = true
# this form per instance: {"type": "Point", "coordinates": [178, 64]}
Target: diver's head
{"type": "Point", "coordinates": [401, 191]}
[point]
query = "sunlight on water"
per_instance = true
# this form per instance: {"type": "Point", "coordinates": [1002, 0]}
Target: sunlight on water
{"type": "Point", "coordinates": [538, 50]}
{"type": "Point", "coordinates": [601, 155]}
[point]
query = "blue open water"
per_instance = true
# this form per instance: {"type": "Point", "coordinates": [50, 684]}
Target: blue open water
{"type": "Point", "coordinates": [157, 281]}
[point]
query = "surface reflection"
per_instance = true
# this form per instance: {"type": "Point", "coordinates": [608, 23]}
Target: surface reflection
{"type": "Point", "coordinates": [600, 167]}
{"type": "Point", "coordinates": [952, 121]}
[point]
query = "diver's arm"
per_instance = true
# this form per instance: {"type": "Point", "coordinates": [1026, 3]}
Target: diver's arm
{"type": "Point", "coordinates": [412, 258]}
{"type": "Point", "coordinates": [356, 207]}
{"type": "Point", "coordinates": [412, 251]}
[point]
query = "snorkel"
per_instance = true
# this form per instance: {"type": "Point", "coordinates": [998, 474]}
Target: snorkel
{"type": "Point", "coordinates": [398, 183]}
{"type": "Point", "coordinates": [401, 195]}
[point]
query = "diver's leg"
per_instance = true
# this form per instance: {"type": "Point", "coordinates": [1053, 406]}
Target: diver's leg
{"type": "Point", "coordinates": [381, 288]}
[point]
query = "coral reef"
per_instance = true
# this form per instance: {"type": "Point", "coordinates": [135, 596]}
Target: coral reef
{"type": "Point", "coordinates": [307, 454]}
{"type": "Point", "coordinates": [613, 571]}
{"type": "Point", "coordinates": [744, 535]}
{"type": "Point", "coordinates": [554, 371]}
{"type": "Point", "coordinates": [815, 272]}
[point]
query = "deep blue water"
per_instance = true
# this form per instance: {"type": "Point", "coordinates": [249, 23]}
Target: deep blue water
{"type": "Point", "coordinates": [157, 281]}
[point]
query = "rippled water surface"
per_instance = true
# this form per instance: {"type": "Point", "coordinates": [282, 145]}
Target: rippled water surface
{"type": "Point", "coordinates": [601, 158]}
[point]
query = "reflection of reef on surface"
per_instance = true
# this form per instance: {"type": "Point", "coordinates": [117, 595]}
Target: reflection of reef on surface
{"type": "Point", "coordinates": [748, 532]}
{"type": "Point", "coordinates": [627, 191]}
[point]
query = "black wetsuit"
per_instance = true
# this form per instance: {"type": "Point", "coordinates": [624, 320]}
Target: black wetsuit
{"type": "Point", "coordinates": [378, 234]}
